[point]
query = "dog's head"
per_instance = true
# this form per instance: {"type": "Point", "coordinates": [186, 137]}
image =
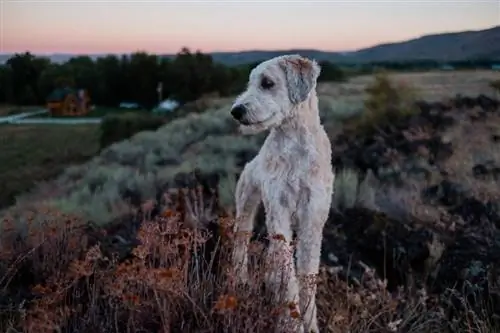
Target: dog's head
{"type": "Point", "coordinates": [274, 88]}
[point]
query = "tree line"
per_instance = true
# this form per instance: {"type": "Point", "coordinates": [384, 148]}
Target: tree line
{"type": "Point", "coordinates": [26, 79]}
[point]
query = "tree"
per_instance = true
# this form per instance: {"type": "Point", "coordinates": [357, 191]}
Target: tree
{"type": "Point", "coordinates": [6, 93]}
{"type": "Point", "coordinates": [54, 76]}
{"type": "Point", "coordinates": [330, 72]}
{"type": "Point", "coordinates": [112, 85]}
{"type": "Point", "coordinates": [28, 79]}
{"type": "Point", "coordinates": [25, 72]}
{"type": "Point", "coordinates": [143, 77]}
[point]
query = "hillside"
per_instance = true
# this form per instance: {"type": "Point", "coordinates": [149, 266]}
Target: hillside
{"type": "Point", "coordinates": [454, 46]}
{"type": "Point", "coordinates": [445, 47]}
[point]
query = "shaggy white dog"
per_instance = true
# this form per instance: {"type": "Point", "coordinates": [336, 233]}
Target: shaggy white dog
{"type": "Point", "coordinates": [292, 175]}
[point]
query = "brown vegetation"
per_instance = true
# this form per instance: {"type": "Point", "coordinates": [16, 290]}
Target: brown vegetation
{"type": "Point", "coordinates": [64, 275]}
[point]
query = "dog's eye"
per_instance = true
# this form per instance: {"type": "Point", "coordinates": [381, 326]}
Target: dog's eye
{"type": "Point", "coordinates": [266, 83]}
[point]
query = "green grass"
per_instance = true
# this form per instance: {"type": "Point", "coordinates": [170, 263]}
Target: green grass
{"type": "Point", "coordinates": [35, 153]}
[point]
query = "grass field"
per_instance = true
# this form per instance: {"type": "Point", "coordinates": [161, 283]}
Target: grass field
{"type": "Point", "coordinates": [431, 85]}
{"type": "Point", "coordinates": [32, 154]}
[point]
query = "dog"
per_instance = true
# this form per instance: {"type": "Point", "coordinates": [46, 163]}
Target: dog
{"type": "Point", "coordinates": [291, 175]}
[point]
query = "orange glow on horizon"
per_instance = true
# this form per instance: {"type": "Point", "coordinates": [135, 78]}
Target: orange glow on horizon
{"type": "Point", "coordinates": [71, 26]}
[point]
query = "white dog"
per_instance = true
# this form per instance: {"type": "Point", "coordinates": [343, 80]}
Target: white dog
{"type": "Point", "coordinates": [292, 175]}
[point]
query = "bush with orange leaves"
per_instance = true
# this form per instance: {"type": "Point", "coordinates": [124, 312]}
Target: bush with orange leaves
{"type": "Point", "coordinates": [63, 274]}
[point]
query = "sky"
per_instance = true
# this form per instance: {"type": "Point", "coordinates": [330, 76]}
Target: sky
{"type": "Point", "coordinates": [163, 26]}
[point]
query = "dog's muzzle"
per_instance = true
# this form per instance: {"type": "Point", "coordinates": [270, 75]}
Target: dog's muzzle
{"type": "Point", "coordinates": [239, 112]}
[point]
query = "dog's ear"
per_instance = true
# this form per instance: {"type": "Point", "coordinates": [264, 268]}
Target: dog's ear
{"type": "Point", "coordinates": [301, 75]}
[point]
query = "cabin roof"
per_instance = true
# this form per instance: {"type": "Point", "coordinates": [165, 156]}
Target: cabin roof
{"type": "Point", "coordinates": [58, 95]}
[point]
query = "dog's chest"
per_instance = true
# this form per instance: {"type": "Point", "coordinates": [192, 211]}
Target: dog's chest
{"type": "Point", "coordinates": [291, 161]}
{"type": "Point", "coordinates": [286, 171]}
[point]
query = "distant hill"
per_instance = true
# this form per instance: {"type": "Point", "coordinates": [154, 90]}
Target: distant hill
{"type": "Point", "coordinates": [245, 57]}
{"type": "Point", "coordinates": [444, 47]}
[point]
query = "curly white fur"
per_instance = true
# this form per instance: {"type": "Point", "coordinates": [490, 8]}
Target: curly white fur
{"type": "Point", "coordinates": [292, 175]}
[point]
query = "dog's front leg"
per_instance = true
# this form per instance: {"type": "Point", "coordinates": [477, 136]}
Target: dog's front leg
{"type": "Point", "coordinates": [309, 239]}
{"type": "Point", "coordinates": [247, 201]}
{"type": "Point", "coordinates": [280, 270]}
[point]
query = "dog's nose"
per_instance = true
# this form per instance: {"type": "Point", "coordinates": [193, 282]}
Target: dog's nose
{"type": "Point", "coordinates": [238, 111]}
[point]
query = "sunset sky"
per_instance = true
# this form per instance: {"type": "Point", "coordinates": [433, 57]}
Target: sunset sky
{"type": "Point", "coordinates": [97, 26]}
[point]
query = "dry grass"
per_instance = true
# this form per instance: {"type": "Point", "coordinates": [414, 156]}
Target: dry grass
{"type": "Point", "coordinates": [472, 146]}
{"type": "Point", "coordinates": [62, 276]}
{"type": "Point", "coordinates": [432, 86]}
{"type": "Point", "coordinates": [177, 279]}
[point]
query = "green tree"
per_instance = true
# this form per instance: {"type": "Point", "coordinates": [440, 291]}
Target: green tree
{"type": "Point", "coordinates": [26, 70]}
{"type": "Point", "coordinates": [6, 93]}
{"type": "Point", "coordinates": [54, 76]}
{"type": "Point", "coordinates": [142, 73]}
{"type": "Point", "coordinates": [330, 72]}
{"type": "Point", "coordinates": [27, 79]}
{"type": "Point", "coordinates": [111, 88]}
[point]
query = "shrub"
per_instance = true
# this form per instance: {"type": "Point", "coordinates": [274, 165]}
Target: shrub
{"type": "Point", "coordinates": [172, 272]}
{"type": "Point", "coordinates": [150, 160]}
{"type": "Point", "coordinates": [334, 109]}
{"type": "Point", "coordinates": [386, 102]}
{"type": "Point", "coordinates": [66, 275]}
{"type": "Point", "coordinates": [115, 128]}
{"type": "Point", "coordinates": [204, 103]}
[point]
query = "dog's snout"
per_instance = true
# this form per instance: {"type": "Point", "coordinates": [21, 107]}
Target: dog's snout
{"type": "Point", "coordinates": [238, 111]}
